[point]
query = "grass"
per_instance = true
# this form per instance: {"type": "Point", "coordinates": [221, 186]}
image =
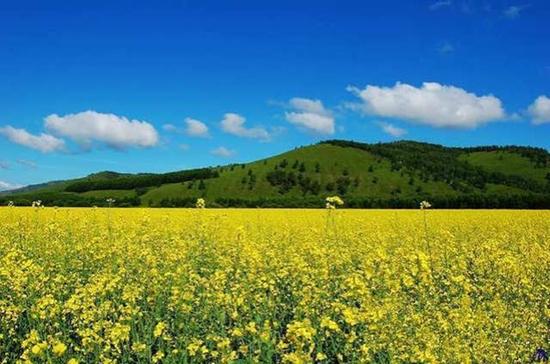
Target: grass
{"type": "Point", "coordinates": [507, 163]}
{"type": "Point", "coordinates": [333, 160]}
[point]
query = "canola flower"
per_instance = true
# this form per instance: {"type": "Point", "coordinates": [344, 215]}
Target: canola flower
{"type": "Point", "coordinates": [201, 203]}
{"type": "Point", "coordinates": [425, 205]}
{"type": "Point", "coordinates": [222, 286]}
{"type": "Point", "coordinates": [59, 349]}
{"type": "Point", "coordinates": [333, 202]}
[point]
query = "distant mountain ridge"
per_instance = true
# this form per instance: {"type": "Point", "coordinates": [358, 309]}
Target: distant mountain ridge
{"type": "Point", "coordinates": [397, 174]}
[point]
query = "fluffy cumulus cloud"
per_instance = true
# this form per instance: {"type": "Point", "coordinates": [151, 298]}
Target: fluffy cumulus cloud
{"type": "Point", "coordinates": [539, 110]}
{"type": "Point", "coordinates": [44, 142]}
{"type": "Point", "coordinates": [310, 115]}
{"type": "Point", "coordinates": [117, 132]}
{"type": "Point", "coordinates": [192, 127]}
{"type": "Point", "coordinates": [234, 124]}
{"type": "Point", "coordinates": [440, 4]}
{"type": "Point", "coordinates": [196, 128]}
{"type": "Point", "coordinates": [6, 186]}
{"type": "Point", "coordinates": [432, 104]}
{"type": "Point", "coordinates": [223, 152]}
{"type": "Point", "coordinates": [392, 130]}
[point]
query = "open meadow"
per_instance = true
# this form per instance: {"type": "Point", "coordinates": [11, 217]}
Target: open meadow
{"type": "Point", "coordinates": [297, 286]}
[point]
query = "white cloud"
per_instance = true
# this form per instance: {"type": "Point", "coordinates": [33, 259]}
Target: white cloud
{"type": "Point", "coordinates": [539, 110]}
{"type": "Point", "coordinates": [223, 152]}
{"type": "Point", "coordinates": [196, 128]}
{"type": "Point", "coordinates": [170, 128]}
{"type": "Point", "coordinates": [514, 11]}
{"type": "Point", "coordinates": [44, 142]}
{"type": "Point", "coordinates": [115, 131]}
{"type": "Point", "coordinates": [440, 4]}
{"type": "Point", "coordinates": [311, 115]}
{"type": "Point", "coordinates": [432, 104]}
{"type": "Point", "coordinates": [392, 130]}
{"type": "Point", "coordinates": [234, 124]}
{"type": "Point", "coordinates": [27, 163]}
{"type": "Point", "coordinates": [5, 186]}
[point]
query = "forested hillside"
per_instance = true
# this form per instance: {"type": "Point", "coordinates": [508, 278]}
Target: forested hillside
{"type": "Point", "coordinates": [398, 174]}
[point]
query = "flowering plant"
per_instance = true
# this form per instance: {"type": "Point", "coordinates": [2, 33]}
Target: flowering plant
{"type": "Point", "coordinates": [200, 204]}
{"type": "Point", "coordinates": [333, 201]}
{"type": "Point", "coordinates": [425, 205]}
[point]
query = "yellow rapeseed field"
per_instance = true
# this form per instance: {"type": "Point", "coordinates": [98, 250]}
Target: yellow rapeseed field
{"type": "Point", "coordinates": [296, 286]}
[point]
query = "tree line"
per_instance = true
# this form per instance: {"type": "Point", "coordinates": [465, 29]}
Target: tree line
{"type": "Point", "coordinates": [470, 201]}
{"type": "Point", "coordinates": [61, 199]}
{"type": "Point", "coordinates": [142, 180]}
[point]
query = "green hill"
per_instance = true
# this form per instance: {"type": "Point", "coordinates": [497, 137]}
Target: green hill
{"type": "Point", "coordinates": [398, 174]}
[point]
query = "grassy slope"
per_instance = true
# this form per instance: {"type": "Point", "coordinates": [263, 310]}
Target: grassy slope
{"type": "Point", "coordinates": [333, 161]}
{"type": "Point", "coordinates": [59, 186]}
{"type": "Point", "coordinates": [506, 163]}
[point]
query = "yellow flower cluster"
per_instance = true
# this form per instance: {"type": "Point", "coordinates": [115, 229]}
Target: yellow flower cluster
{"type": "Point", "coordinates": [173, 286]}
{"type": "Point", "coordinates": [201, 203]}
{"type": "Point", "coordinates": [425, 205]}
{"type": "Point", "coordinates": [333, 201]}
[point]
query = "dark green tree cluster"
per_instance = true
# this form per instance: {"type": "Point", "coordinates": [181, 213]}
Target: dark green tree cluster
{"type": "Point", "coordinates": [439, 163]}
{"type": "Point", "coordinates": [471, 201]}
{"type": "Point", "coordinates": [285, 181]}
{"type": "Point", "coordinates": [466, 201]}
{"type": "Point", "coordinates": [141, 180]}
{"type": "Point", "coordinates": [342, 184]}
{"type": "Point", "coordinates": [61, 199]}
{"type": "Point", "coordinates": [281, 179]}
{"type": "Point", "coordinates": [249, 180]}
{"type": "Point", "coordinates": [281, 202]}
{"type": "Point", "coordinates": [176, 202]}
{"type": "Point", "coordinates": [308, 185]}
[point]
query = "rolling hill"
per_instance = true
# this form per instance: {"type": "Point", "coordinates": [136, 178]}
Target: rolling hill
{"type": "Point", "coordinates": [398, 174]}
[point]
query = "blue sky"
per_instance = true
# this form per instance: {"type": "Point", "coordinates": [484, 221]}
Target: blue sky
{"type": "Point", "coordinates": [168, 85]}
